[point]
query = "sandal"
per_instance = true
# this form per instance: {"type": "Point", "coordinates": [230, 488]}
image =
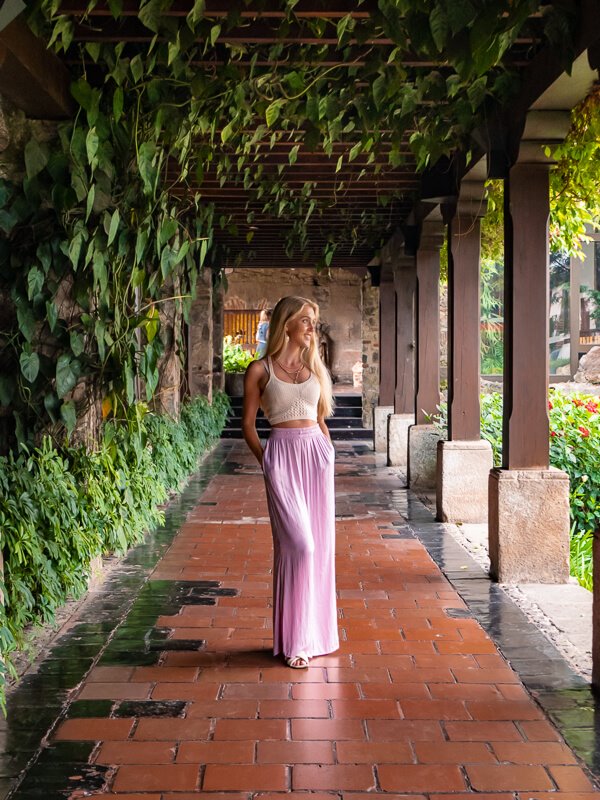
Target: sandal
{"type": "Point", "coordinates": [297, 662]}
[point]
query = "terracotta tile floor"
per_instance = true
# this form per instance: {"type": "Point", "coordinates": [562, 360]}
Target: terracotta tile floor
{"type": "Point", "coordinates": [417, 703]}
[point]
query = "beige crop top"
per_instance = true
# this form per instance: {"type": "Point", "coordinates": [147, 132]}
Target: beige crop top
{"type": "Point", "coordinates": [282, 401]}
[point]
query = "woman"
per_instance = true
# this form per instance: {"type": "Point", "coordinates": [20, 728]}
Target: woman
{"type": "Point", "coordinates": [262, 332]}
{"type": "Point", "coordinates": [294, 390]}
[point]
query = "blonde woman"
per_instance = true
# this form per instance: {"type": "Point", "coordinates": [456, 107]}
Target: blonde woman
{"type": "Point", "coordinates": [293, 387]}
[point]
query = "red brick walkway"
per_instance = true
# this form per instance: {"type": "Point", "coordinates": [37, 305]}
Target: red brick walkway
{"type": "Point", "coordinates": [416, 704]}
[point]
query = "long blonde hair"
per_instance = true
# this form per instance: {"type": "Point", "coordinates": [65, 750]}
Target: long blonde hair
{"type": "Point", "coordinates": [287, 309]}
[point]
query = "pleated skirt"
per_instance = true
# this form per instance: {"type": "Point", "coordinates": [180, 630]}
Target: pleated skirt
{"type": "Point", "coordinates": [298, 466]}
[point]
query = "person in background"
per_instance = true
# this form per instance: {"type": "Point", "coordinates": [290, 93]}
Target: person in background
{"type": "Point", "coordinates": [262, 332]}
{"type": "Point", "coordinates": [294, 389]}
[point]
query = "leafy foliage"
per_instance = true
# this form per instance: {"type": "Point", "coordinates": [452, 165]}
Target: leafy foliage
{"type": "Point", "coordinates": [235, 358]}
{"type": "Point", "coordinates": [59, 509]}
{"type": "Point", "coordinates": [574, 448]}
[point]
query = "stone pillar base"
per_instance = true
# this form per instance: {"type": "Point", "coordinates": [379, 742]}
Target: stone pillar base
{"type": "Point", "coordinates": [380, 427]}
{"type": "Point", "coordinates": [529, 525]}
{"type": "Point", "coordinates": [422, 457]}
{"type": "Point", "coordinates": [463, 471]}
{"type": "Point", "coordinates": [397, 443]}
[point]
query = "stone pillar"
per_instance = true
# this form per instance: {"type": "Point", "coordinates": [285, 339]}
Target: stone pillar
{"type": "Point", "coordinates": [218, 381]}
{"type": "Point", "coordinates": [529, 502]}
{"type": "Point", "coordinates": [596, 613]}
{"type": "Point", "coordinates": [465, 460]}
{"type": "Point", "coordinates": [387, 363]}
{"type": "Point", "coordinates": [405, 279]}
{"type": "Point", "coordinates": [167, 398]}
{"type": "Point", "coordinates": [370, 353]}
{"type": "Point", "coordinates": [200, 343]}
{"type": "Point", "coordinates": [423, 436]}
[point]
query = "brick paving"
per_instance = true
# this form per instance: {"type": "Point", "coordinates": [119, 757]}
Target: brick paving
{"type": "Point", "coordinates": [418, 703]}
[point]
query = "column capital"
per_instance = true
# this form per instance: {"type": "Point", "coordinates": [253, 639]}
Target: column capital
{"type": "Point", "coordinates": [432, 235]}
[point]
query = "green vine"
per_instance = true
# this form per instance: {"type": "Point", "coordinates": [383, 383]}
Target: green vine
{"type": "Point", "coordinates": [109, 216]}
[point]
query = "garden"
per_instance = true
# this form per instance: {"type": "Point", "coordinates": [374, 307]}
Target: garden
{"type": "Point", "coordinates": [575, 449]}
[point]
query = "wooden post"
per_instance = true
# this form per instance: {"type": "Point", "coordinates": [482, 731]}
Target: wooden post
{"type": "Point", "coordinates": [405, 280]}
{"type": "Point", "coordinates": [463, 328]}
{"type": "Point", "coordinates": [387, 342]}
{"type": "Point", "coordinates": [427, 397]}
{"type": "Point", "coordinates": [526, 360]}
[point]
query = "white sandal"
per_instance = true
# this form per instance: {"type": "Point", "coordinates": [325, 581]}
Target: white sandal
{"type": "Point", "coordinates": [298, 662]}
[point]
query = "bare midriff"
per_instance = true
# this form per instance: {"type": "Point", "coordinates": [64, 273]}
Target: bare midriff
{"type": "Point", "coordinates": [296, 423]}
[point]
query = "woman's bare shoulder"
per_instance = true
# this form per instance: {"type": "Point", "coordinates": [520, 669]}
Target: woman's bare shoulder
{"type": "Point", "coordinates": [256, 370]}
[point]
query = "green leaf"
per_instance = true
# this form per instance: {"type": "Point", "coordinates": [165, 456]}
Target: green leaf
{"type": "Point", "coordinates": [100, 271]}
{"type": "Point", "coordinates": [83, 94]}
{"type": "Point", "coordinates": [182, 252]}
{"type": "Point", "coordinates": [147, 152]}
{"type": "Point", "coordinates": [51, 315]}
{"type": "Point", "coordinates": [460, 14]}
{"type": "Point", "coordinates": [203, 251]}
{"type": "Point", "coordinates": [227, 132]}
{"type": "Point", "coordinates": [77, 343]}
{"type": "Point", "coordinates": [26, 321]}
{"type": "Point", "coordinates": [91, 145]}
{"type": "Point", "coordinates": [36, 157]}
{"type": "Point", "coordinates": [215, 32]}
{"type": "Point", "coordinates": [379, 90]}
{"type": "Point", "coordinates": [93, 49]}
{"type": "Point", "coordinates": [129, 382]}
{"type": "Point", "coordinates": [75, 247]}
{"type": "Point", "coordinates": [30, 366]}
{"type": "Point", "coordinates": [114, 226]}
{"type": "Point", "coordinates": [90, 201]}
{"type": "Point", "coordinates": [438, 23]}
{"type": "Point", "coordinates": [272, 112]}
{"type": "Point", "coordinates": [69, 416]}
{"type": "Point", "coordinates": [293, 154]}
{"type": "Point", "coordinates": [35, 281]}
{"type": "Point", "coordinates": [295, 81]}
{"type": "Point", "coordinates": [137, 68]}
{"type": "Point", "coordinates": [140, 245]}
{"type": "Point", "coordinates": [196, 14]}
{"type": "Point", "coordinates": [67, 372]}
{"type": "Point", "coordinates": [118, 103]}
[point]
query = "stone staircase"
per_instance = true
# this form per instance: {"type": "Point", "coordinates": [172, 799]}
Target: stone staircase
{"type": "Point", "coordinates": [345, 424]}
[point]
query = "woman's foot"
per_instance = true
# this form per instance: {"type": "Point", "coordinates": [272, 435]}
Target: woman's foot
{"type": "Point", "coordinates": [297, 662]}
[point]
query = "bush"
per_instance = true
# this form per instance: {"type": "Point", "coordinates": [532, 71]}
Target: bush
{"type": "Point", "coordinates": [235, 358]}
{"type": "Point", "coordinates": [574, 448]}
{"type": "Point", "coordinates": [61, 509]}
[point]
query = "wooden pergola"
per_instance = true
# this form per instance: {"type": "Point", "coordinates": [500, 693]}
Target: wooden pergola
{"type": "Point", "coordinates": [526, 502]}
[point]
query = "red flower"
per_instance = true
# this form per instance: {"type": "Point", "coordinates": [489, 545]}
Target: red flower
{"type": "Point", "coordinates": [550, 406]}
{"type": "Point", "coordinates": [584, 431]}
{"type": "Point", "coordinates": [552, 433]}
{"type": "Point", "coordinates": [592, 407]}
{"type": "Point", "coordinates": [578, 402]}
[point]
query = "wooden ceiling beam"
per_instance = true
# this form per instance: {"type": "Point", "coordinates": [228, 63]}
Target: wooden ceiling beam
{"type": "Point", "coordinates": [31, 77]}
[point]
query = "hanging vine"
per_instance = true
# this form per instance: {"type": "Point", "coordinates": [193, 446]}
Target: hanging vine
{"type": "Point", "coordinates": [110, 212]}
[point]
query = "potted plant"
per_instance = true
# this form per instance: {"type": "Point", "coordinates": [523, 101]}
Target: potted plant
{"type": "Point", "coordinates": [235, 361]}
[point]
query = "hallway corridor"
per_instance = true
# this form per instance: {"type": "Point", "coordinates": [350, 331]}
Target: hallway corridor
{"type": "Point", "coordinates": [178, 696]}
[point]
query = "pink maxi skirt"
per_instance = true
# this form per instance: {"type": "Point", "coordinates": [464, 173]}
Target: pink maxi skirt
{"type": "Point", "coordinates": [298, 466]}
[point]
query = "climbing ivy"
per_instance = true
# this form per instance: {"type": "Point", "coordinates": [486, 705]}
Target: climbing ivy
{"type": "Point", "coordinates": [109, 218]}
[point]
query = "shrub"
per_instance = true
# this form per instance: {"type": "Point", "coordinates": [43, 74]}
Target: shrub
{"type": "Point", "coordinates": [59, 509]}
{"type": "Point", "coordinates": [574, 448]}
{"type": "Point", "coordinates": [235, 358]}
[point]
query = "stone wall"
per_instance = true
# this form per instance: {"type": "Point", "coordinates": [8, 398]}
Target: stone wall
{"type": "Point", "coordinates": [370, 352]}
{"type": "Point", "coordinates": [338, 296]}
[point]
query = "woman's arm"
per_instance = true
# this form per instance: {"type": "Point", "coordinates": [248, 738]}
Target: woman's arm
{"type": "Point", "coordinates": [252, 380]}
{"type": "Point", "coordinates": [324, 428]}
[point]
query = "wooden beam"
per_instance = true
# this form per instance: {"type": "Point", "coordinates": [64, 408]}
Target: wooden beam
{"type": "Point", "coordinates": [32, 77]}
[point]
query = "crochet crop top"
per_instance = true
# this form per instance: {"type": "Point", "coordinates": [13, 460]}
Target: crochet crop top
{"type": "Point", "coordinates": [283, 402]}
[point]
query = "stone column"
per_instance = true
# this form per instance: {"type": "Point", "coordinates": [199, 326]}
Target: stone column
{"type": "Point", "coordinates": [405, 279]}
{"type": "Point", "coordinates": [167, 398]}
{"type": "Point", "coordinates": [200, 342]}
{"type": "Point", "coordinates": [387, 363]}
{"type": "Point", "coordinates": [423, 436]}
{"type": "Point", "coordinates": [529, 502]}
{"type": "Point", "coordinates": [218, 380]}
{"type": "Point", "coordinates": [370, 353]}
{"type": "Point", "coordinates": [465, 460]}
